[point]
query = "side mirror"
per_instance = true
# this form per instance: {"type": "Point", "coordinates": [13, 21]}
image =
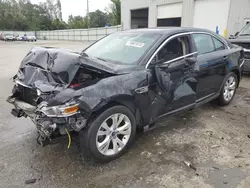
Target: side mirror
{"type": "Point", "coordinates": [236, 34]}
{"type": "Point", "coordinates": [191, 60]}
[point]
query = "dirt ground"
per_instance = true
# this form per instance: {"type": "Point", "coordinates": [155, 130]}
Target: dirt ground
{"type": "Point", "coordinates": [214, 139]}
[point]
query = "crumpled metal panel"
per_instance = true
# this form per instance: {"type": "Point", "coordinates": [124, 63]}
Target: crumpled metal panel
{"type": "Point", "coordinates": [95, 96]}
{"type": "Point", "coordinates": [62, 64]}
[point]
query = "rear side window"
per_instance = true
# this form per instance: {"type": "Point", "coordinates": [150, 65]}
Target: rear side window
{"type": "Point", "coordinates": [204, 43]}
{"type": "Point", "coordinates": [218, 44]}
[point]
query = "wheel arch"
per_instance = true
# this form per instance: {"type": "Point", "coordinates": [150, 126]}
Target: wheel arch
{"type": "Point", "coordinates": [238, 74]}
{"type": "Point", "coordinates": [124, 100]}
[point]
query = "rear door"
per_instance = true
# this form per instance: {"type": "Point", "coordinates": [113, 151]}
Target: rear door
{"type": "Point", "coordinates": [176, 71]}
{"type": "Point", "coordinates": [213, 60]}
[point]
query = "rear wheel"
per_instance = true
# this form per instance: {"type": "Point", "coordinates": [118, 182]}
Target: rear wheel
{"type": "Point", "coordinates": [228, 90]}
{"type": "Point", "coordinates": [109, 135]}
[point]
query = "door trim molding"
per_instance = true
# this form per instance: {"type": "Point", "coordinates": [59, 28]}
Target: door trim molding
{"type": "Point", "coordinates": [177, 110]}
{"type": "Point", "coordinates": [205, 97]}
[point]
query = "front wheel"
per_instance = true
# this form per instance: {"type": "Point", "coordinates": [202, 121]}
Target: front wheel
{"type": "Point", "coordinates": [109, 135]}
{"type": "Point", "coordinates": [228, 90]}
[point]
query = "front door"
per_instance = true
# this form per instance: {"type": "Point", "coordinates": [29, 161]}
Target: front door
{"type": "Point", "coordinates": [176, 73]}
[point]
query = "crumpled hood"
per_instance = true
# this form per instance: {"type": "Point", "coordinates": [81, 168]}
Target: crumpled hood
{"type": "Point", "coordinates": [51, 69]}
{"type": "Point", "coordinates": [48, 69]}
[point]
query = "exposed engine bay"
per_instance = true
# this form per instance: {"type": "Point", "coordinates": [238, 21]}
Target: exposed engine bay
{"type": "Point", "coordinates": [86, 77]}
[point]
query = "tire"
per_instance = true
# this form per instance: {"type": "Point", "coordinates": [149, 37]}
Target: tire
{"type": "Point", "coordinates": [225, 99]}
{"type": "Point", "coordinates": [89, 139]}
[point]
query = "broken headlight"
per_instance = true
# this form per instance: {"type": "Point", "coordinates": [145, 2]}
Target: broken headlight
{"type": "Point", "coordinates": [66, 110]}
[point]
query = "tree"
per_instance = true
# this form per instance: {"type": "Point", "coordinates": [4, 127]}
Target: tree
{"type": "Point", "coordinates": [98, 19]}
{"type": "Point", "coordinates": [23, 15]}
{"type": "Point", "coordinates": [77, 22]}
{"type": "Point", "coordinates": [114, 11]}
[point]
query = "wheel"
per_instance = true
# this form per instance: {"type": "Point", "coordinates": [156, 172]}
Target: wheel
{"type": "Point", "coordinates": [228, 90]}
{"type": "Point", "coordinates": [35, 40]}
{"type": "Point", "coordinates": [109, 135]}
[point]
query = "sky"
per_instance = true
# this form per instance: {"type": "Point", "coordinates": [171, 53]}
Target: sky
{"type": "Point", "coordinates": [79, 7]}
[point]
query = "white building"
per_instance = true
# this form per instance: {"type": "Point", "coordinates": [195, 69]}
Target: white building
{"type": "Point", "coordinates": [226, 16]}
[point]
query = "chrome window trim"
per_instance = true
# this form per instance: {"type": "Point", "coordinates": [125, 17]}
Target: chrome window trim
{"type": "Point", "coordinates": [163, 44]}
{"type": "Point", "coordinates": [200, 32]}
{"type": "Point", "coordinates": [179, 58]}
{"type": "Point", "coordinates": [177, 35]}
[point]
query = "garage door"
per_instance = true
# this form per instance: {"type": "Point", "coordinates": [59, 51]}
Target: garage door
{"type": "Point", "coordinates": [169, 11]}
{"type": "Point", "coordinates": [169, 15]}
{"type": "Point", "coordinates": [211, 13]}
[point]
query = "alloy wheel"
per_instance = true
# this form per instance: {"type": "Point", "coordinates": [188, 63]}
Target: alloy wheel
{"type": "Point", "coordinates": [229, 88]}
{"type": "Point", "coordinates": [113, 134]}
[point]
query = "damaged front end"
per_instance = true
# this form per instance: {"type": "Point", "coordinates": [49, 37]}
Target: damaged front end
{"type": "Point", "coordinates": [51, 122]}
{"type": "Point", "coordinates": [43, 74]}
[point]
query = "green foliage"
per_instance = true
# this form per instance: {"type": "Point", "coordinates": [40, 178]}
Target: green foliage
{"type": "Point", "coordinates": [23, 15]}
{"type": "Point", "coordinates": [98, 19]}
{"type": "Point", "coordinates": [77, 22]}
{"type": "Point", "coordinates": [114, 11]}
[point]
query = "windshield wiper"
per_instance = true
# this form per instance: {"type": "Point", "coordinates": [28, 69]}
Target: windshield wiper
{"type": "Point", "coordinates": [101, 59]}
{"type": "Point", "coordinates": [84, 54]}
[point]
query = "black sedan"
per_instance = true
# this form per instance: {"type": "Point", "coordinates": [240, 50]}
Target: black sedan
{"type": "Point", "coordinates": [123, 83]}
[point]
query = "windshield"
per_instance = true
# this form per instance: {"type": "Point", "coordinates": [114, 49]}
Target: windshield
{"type": "Point", "coordinates": [245, 30]}
{"type": "Point", "coordinates": [123, 48]}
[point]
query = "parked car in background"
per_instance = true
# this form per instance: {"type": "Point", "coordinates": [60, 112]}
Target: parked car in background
{"type": "Point", "coordinates": [242, 39]}
{"type": "Point", "coordinates": [1, 36]}
{"type": "Point", "coordinates": [8, 37]}
{"type": "Point", "coordinates": [30, 38]}
{"type": "Point", "coordinates": [19, 38]}
{"type": "Point", "coordinates": [122, 83]}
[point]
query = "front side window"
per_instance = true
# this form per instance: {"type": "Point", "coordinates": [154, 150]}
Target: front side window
{"type": "Point", "coordinates": [204, 43]}
{"type": "Point", "coordinates": [123, 47]}
{"type": "Point", "coordinates": [175, 48]}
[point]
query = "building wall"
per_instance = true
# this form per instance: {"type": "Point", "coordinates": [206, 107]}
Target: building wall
{"type": "Point", "coordinates": [128, 5]}
{"type": "Point", "coordinates": [203, 18]}
{"type": "Point", "coordinates": [229, 15]}
{"type": "Point", "coordinates": [239, 13]}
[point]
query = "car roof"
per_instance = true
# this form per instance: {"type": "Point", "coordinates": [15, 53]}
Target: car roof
{"type": "Point", "coordinates": [167, 30]}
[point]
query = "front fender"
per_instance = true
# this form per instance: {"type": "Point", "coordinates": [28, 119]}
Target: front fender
{"type": "Point", "coordinates": [94, 97]}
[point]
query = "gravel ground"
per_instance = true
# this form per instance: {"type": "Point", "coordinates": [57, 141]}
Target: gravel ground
{"type": "Point", "coordinates": [214, 139]}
